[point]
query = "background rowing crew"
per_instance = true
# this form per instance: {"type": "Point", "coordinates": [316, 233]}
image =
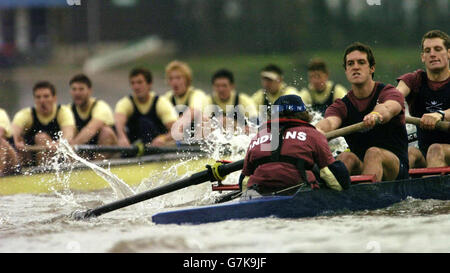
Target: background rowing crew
{"type": "Point", "coordinates": [144, 116]}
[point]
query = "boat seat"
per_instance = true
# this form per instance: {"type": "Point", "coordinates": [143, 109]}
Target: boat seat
{"type": "Point", "coordinates": [364, 178]}
{"type": "Point", "coordinates": [419, 172]}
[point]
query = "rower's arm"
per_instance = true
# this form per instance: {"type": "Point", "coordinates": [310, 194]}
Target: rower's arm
{"type": "Point", "coordinates": [19, 141]}
{"type": "Point", "coordinates": [120, 122]}
{"type": "Point", "coordinates": [2, 132]}
{"type": "Point", "coordinates": [336, 176]}
{"type": "Point", "coordinates": [447, 115]}
{"type": "Point", "coordinates": [329, 124]}
{"type": "Point", "coordinates": [88, 132]}
{"type": "Point", "coordinates": [403, 88]}
{"type": "Point", "coordinates": [382, 113]}
{"type": "Point", "coordinates": [68, 132]}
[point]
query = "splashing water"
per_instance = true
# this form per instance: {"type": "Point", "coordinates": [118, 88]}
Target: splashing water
{"type": "Point", "coordinates": [120, 188]}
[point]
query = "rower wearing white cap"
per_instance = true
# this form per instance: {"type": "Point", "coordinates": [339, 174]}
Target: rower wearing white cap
{"type": "Point", "coordinates": [273, 86]}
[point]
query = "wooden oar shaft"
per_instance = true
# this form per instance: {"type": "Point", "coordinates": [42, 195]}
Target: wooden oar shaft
{"type": "Point", "coordinates": [38, 148]}
{"type": "Point", "coordinates": [440, 125]}
{"type": "Point", "coordinates": [345, 130]}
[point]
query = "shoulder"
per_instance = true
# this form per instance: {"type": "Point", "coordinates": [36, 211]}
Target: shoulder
{"type": "Point", "coordinates": [125, 99]}
{"type": "Point", "coordinates": [305, 95]}
{"type": "Point", "coordinates": [412, 79]}
{"type": "Point", "coordinates": [65, 116]}
{"type": "Point", "coordinates": [100, 108]}
{"type": "Point", "coordinates": [390, 92]}
{"type": "Point", "coordinates": [245, 98]}
{"type": "Point", "coordinates": [259, 93]}
{"type": "Point", "coordinates": [65, 110]}
{"type": "Point", "coordinates": [198, 94]}
{"type": "Point", "coordinates": [24, 112]}
{"type": "Point", "coordinates": [209, 100]}
{"type": "Point", "coordinates": [3, 113]}
{"type": "Point", "coordinates": [339, 91]}
{"type": "Point", "coordinates": [389, 89]}
{"type": "Point", "coordinates": [102, 104]}
{"type": "Point", "coordinates": [168, 95]}
{"type": "Point", "coordinates": [198, 91]}
{"type": "Point", "coordinates": [338, 109]}
{"type": "Point", "coordinates": [163, 100]}
{"type": "Point", "coordinates": [291, 90]}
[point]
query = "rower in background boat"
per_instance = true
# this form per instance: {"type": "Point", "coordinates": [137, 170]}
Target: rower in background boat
{"type": "Point", "coordinates": [321, 92]}
{"type": "Point", "coordinates": [226, 102]}
{"type": "Point", "coordinates": [382, 149]}
{"type": "Point", "coordinates": [288, 162]}
{"type": "Point", "coordinates": [273, 86]}
{"type": "Point", "coordinates": [187, 100]}
{"type": "Point", "coordinates": [144, 116]}
{"type": "Point", "coordinates": [42, 125]}
{"type": "Point", "coordinates": [94, 118]}
{"type": "Point", "coordinates": [8, 156]}
{"type": "Point", "coordinates": [428, 96]}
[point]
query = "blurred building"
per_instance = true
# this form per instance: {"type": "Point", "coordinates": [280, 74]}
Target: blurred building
{"type": "Point", "coordinates": [35, 30]}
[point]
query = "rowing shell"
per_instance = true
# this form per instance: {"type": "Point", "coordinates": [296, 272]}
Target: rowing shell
{"type": "Point", "coordinates": [310, 203]}
{"type": "Point", "coordinates": [132, 171]}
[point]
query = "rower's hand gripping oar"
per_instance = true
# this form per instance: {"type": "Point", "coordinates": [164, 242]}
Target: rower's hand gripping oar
{"type": "Point", "coordinates": [216, 172]}
{"type": "Point", "coordinates": [440, 125]}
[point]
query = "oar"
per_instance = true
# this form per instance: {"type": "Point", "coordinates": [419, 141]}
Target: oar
{"type": "Point", "coordinates": [133, 150]}
{"type": "Point", "coordinates": [204, 176]}
{"type": "Point", "coordinates": [440, 125]}
{"type": "Point", "coordinates": [345, 130]}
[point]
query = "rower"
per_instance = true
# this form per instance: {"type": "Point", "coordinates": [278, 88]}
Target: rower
{"type": "Point", "coordinates": [277, 165]}
{"type": "Point", "coordinates": [428, 96]}
{"type": "Point", "coordinates": [383, 149]}
{"type": "Point", "coordinates": [94, 118]}
{"type": "Point", "coordinates": [273, 86]}
{"type": "Point", "coordinates": [8, 156]}
{"type": "Point", "coordinates": [322, 91]}
{"type": "Point", "coordinates": [227, 102]}
{"type": "Point", "coordinates": [144, 116]}
{"type": "Point", "coordinates": [187, 100]}
{"type": "Point", "coordinates": [42, 125]}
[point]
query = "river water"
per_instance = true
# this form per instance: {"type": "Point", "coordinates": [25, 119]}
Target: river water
{"type": "Point", "coordinates": [41, 223]}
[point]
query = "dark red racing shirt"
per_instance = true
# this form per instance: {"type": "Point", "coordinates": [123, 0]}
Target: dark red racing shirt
{"type": "Point", "coordinates": [302, 140]}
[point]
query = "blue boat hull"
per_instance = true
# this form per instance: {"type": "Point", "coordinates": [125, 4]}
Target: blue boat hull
{"type": "Point", "coordinates": [314, 203]}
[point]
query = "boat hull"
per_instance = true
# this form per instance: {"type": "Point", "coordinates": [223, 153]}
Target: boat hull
{"type": "Point", "coordinates": [367, 196]}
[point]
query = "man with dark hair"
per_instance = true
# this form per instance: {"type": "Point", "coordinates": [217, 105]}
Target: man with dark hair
{"type": "Point", "coordinates": [144, 116]}
{"type": "Point", "coordinates": [42, 124]}
{"type": "Point", "coordinates": [224, 94]}
{"type": "Point", "coordinates": [94, 118]}
{"type": "Point", "coordinates": [8, 156]}
{"type": "Point", "coordinates": [289, 162]}
{"type": "Point", "coordinates": [428, 96]}
{"type": "Point", "coordinates": [382, 149]}
{"type": "Point", "coordinates": [273, 86]}
{"type": "Point", "coordinates": [321, 90]}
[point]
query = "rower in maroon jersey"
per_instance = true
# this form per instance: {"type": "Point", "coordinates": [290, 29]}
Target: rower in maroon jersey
{"type": "Point", "coordinates": [383, 149]}
{"type": "Point", "coordinates": [286, 149]}
{"type": "Point", "coordinates": [428, 96]}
